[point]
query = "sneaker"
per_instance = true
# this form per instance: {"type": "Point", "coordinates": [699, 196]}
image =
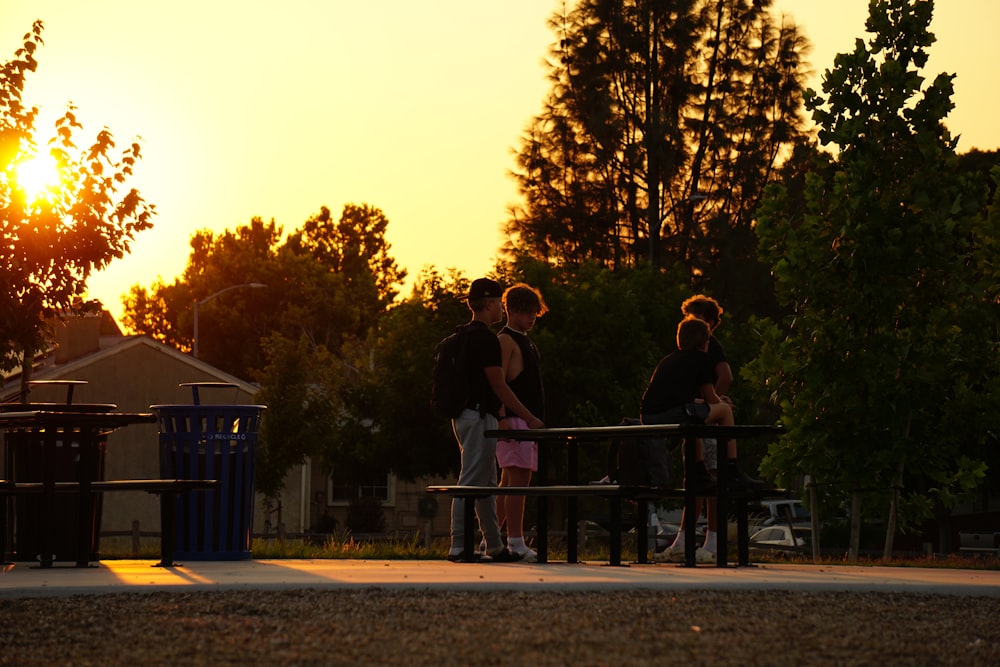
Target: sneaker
{"type": "Point", "coordinates": [675, 554]}
{"type": "Point", "coordinates": [740, 481]}
{"type": "Point", "coordinates": [527, 554]}
{"type": "Point", "coordinates": [460, 557]}
{"type": "Point", "coordinates": [704, 556]}
{"type": "Point", "coordinates": [502, 555]}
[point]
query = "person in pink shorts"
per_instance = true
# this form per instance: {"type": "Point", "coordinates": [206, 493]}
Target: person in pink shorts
{"type": "Point", "coordinates": [522, 369]}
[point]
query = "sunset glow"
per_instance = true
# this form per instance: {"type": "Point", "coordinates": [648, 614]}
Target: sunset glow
{"type": "Point", "coordinates": [37, 176]}
{"type": "Point", "coordinates": [412, 108]}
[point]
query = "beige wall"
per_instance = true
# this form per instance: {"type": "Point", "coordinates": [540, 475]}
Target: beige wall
{"type": "Point", "coordinates": [137, 373]}
{"type": "Point", "coordinates": [134, 375]}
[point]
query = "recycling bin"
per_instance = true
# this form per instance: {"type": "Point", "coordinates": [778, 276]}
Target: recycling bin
{"type": "Point", "coordinates": [65, 454]}
{"type": "Point", "coordinates": [202, 441]}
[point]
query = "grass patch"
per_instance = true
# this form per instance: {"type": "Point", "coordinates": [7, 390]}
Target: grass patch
{"type": "Point", "coordinates": [344, 545]}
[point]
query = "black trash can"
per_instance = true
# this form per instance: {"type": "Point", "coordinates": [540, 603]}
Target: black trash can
{"type": "Point", "coordinates": [211, 442]}
{"type": "Point", "coordinates": [70, 455]}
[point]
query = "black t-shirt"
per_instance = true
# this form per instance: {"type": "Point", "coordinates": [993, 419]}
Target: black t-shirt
{"type": "Point", "coordinates": [716, 356]}
{"type": "Point", "coordinates": [482, 351]}
{"type": "Point", "coordinates": [677, 380]}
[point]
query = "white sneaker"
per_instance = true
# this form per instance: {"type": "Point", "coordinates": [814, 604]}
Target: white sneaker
{"type": "Point", "coordinates": [527, 554]}
{"type": "Point", "coordinates": [675, 554]}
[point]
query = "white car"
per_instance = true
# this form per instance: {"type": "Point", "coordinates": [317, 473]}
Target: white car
{"type": "Point", "coordinates": [773, 512]}
{"type": "Point", "coordinates": [781, 538]}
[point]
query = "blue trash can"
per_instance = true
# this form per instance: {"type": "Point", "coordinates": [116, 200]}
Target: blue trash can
{"type": "Point", "coordinates": [211, 442]}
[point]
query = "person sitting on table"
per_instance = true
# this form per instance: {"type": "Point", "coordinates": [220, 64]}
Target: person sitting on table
{"type": "Point", "coordinates": [706, 308]}
{"type": "Point", "coordinates": [682, 390]}
{"type": "Point", "coordinates": [522, 370]}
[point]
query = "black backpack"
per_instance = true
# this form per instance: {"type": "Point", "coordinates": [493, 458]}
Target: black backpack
{"type": "Point", "coordinates": [641, 461]}
{"type": "Point", "coordinates": [450, 381]}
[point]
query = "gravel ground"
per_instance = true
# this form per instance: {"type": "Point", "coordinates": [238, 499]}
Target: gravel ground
{"type": "Point", "coordinates": [411, 627]}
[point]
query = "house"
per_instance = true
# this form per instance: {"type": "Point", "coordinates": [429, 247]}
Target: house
{"type": "Point", "coordinates": [136, 372]}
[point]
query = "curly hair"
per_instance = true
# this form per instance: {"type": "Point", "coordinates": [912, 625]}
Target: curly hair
{"type": "Point", "coordinates": [704, 308]}
{"type": "Point", "coordinates": [523, 298]}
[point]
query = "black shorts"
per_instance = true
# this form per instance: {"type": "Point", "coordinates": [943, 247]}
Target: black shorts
{"type": "Point", "coordinates": [689, 413]}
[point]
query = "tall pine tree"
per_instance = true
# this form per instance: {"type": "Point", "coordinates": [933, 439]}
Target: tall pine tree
{"type": "Point", "coordinates": [664, 123]}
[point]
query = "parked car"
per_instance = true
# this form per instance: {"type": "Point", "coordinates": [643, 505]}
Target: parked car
{"type": "Point", "coordinates": [771, 512]}
{"type": "Point", "coordinates": [781, 538]}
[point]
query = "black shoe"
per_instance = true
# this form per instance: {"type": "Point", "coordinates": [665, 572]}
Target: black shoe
{"type": "Point", "coordinates": [460, 557]}
{"type": "Point", "coordinates": [702, 482]}
{"type": "Point", "coordinates": [502, 556]}
{"type": "Point", "coordinates": [739, 481]}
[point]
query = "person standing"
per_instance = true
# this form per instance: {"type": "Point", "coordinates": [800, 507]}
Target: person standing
{"type": "Point", "coordinates": [522, 371]}
{"type": "Point", "coordinates": [487, 391]}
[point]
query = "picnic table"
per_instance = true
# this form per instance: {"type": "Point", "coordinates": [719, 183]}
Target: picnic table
{"type": "Point", "coordinates": [572, 489]}
{"type": "Point", "coordinates": [46, 429]}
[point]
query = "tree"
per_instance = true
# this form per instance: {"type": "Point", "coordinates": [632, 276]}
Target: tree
{"type": "Point", "coordinates": [306, 337]}
{"type": "Point", "coordinates": [886, 368]}
{"type": "Point", "coordinates": [51, 243]}
{"type": "Point", "coordinates": [230, 326]}
{"type": "Point", "coordinates": [326, 281]}
{"type": "Point", "coordinates": [664, 123]}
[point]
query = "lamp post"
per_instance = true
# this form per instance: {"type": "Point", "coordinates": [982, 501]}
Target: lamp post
{"type": "Point", "coordinates": [208, 298]}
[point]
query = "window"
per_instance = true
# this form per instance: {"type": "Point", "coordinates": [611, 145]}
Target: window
{"type": "Point", "coordinates": [342, 491]}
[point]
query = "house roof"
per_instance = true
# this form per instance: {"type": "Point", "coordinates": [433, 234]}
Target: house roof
{"type": "Point", "coordinates": [47, 369]}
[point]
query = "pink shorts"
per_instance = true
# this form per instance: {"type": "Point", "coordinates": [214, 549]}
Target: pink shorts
{"type": "Point", "coordinates": [517, 453]}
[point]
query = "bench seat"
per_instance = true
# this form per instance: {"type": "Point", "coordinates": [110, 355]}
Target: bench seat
{"type": "Point", "coordinates": [167, 489]}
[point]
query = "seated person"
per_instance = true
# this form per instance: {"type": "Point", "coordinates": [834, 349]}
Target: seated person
{"type": "Point", "coordinates": [681, 390]}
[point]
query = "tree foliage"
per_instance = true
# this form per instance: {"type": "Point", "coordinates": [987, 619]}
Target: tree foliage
{"type": "Point", "coordinates": [600, 340]}
{"type": "Point", "coordinates": [306, 336]}
{"type": "Point", "coordinates": [328, 281]}
{"type": "Point", "coordinates": [886, 368]}
{"type": "Point", "coordinates": [664, 123]}
{"type": "Point", "coordinates": [51, 243]}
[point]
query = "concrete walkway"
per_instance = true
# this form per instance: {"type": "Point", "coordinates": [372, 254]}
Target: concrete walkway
{"type": "Point", "coordinates": [136, 576]}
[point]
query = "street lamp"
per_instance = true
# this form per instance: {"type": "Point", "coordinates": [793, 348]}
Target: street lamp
{"type": "Point", "coordinates": [209, 298]}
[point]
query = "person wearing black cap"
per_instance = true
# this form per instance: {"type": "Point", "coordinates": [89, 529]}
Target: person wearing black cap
{"type": "Point", "coordinates": [488, 390]}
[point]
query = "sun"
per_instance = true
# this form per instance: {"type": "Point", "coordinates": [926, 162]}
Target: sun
{"type": "Point", "coordinates": [37, 176]}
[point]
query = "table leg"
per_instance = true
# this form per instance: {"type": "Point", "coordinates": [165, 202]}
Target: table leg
{"type": "Point", "coordinates": [722, 514]}
{"type": "Point", "coordinates": [572, 503]}
{"type": "Point", "coordinates": [642, 531]}
{"type": "Point", "coordinates": [85, 509]}
{"type": "Point", "coordinates": [4, 537]}
{"type": "Point", "coordinates": [742, 532]}
{"type": "Point", "coordinates": [168, 528]}
{"type": "Point", "coordinates": [47, 501]}
{"type": "Point", "coordinates": [615, 541]}
{"type": "Point", "coordinates": [469, 519]}
{"type": "Point", "coordinates": [542, 538]}
{"type": "Point", "coordinates": [690, 498]}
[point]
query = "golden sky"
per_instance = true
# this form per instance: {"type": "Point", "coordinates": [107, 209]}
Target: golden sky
{"type": "Point", "coordinates": [276, 109]}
